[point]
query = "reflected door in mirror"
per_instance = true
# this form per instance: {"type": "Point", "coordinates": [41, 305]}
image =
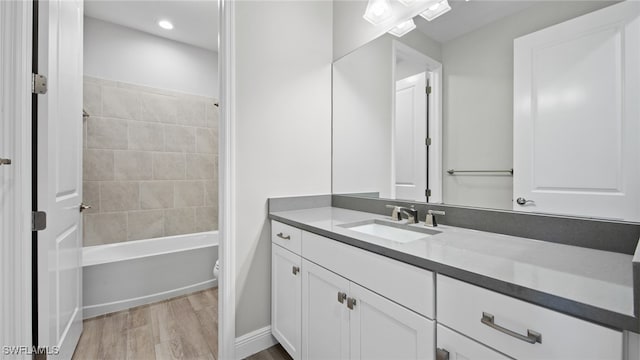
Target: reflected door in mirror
{"type": "Point", "coordinates": [410, 132]}
{"type": "Point", "coordinates": [577, 116]}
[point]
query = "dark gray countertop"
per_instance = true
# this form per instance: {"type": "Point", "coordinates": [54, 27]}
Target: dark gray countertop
{"type": "Point", "coordinates": [594, 285]}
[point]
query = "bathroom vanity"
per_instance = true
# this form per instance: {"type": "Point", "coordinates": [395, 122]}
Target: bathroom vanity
{"type": "Point", "coordinates": [467, 114]}
{"type": "Point", "coordinates": [342, 290]}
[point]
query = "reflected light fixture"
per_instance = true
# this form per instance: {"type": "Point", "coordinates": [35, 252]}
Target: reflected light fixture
{"type": "Point", "coordinates": [377, 11]}
{"type": "Point", "coordinates": [165, 24]}
{"type": "Point", "coordinates": [403, 28]}
{"type": "Point", "coordinates": [436, 10]}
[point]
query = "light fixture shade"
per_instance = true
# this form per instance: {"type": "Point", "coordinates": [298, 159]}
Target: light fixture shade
{"type": "Point", "coordinates": [165, 24]}
{"type": "Point", "coordinates": [403, 28]}
{"type": "Point", "coordinates": [407, 2]}
{"type": "Point", "coordinates": [377, 11]}
{"type": "Point", "coordinates": [436, 10]}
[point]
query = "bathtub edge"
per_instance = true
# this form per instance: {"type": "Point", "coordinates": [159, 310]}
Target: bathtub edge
{"type": "Point", "coordinates": [92, 311]}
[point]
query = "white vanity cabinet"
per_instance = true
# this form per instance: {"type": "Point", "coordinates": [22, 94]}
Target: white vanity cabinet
{"type": "Point", "coordinates": [286, 291]}
{"type": "Point", "coordinates": [331, 300]}
{"type": "Point", "coordinates": [286, 287]}
{"type": "Point", "coordinates": [343, 320]}
{"type": "Point", "coordinates": [519, 329]}
{"type": "Point", "coordinates": [453, 346]}
{"type": "Point", "coordinates": [350, 302]}
{"type": "Point", "coordinates": [325, 316]}
{"type": "Point", "coordinates": [382, 329]}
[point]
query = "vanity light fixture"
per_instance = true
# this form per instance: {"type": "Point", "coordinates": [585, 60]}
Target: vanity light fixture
{"type": "Point", "coordinates": [436, 10]}
{"type": "Point", "coordinates": [403, 28]}
{"type": "Point", "coordinates": [165, 24]}
{"type": "Point", "coordinates": [377, 11]}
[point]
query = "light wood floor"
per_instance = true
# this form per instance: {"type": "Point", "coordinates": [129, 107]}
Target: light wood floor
{"type": "Point", "coordinates": [185, 327]}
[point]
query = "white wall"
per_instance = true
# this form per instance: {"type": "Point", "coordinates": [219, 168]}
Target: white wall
{"type": "Point", "coordinates": [478, 102]}
{"type": "Point", "coordinates": [119, 53]}
{"type": "Point", "coordinates": [283, 130]}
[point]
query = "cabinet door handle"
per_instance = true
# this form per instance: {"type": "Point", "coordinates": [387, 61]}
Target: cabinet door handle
{"type": "Point", "coordinates": [351, 303]}
{"type": "Point", "coordinates": [532, 337]}
{"type": "Point", "coordinates": [442, 354]}
{"type": "Point", "coordinates": [281, 236]}
{"type": "Point", "coordinates": [341, 297]}
{"type": "Point", "coordinates": [296, 270]}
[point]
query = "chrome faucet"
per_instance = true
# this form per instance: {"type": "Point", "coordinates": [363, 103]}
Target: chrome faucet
{"type": "Point", "coordinates": [396, 214]}
{"type": "Point", "coordinates": [431, 218]}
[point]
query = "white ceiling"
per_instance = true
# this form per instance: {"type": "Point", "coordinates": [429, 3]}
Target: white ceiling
{"type": "Point", "coordinates": [195, 22]}
{"type": "Point", "coordinates": [466, 16]}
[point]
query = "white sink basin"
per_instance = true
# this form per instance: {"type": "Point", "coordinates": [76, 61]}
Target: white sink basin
{"type": "Point", "coordinates": [400, 233]}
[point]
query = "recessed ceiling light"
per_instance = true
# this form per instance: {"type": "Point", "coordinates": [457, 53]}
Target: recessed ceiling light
{"type": "Point", "coordinates": [436, 10]}
{"type": "Point", "coordinates": [165, 24]}
{"type": "Point", "coordinates": [377, 11]}
{"type": "Point", "coordinates": [403, 28]}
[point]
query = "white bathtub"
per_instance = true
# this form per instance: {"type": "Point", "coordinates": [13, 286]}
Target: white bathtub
{"type": "Point", "coordinates": [123, 275]}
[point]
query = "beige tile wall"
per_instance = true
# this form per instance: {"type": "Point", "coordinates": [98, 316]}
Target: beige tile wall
{"type": "Point", "coordinates": [150, 162]}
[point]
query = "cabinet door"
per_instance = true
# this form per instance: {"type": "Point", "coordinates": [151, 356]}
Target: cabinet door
{"type": "Point", "coordinates": [382, 329]}
{"type": "Point", "coordinates": [325, 318]}
{"type": "Point", "coordinates": [286, 291]}
{"type": "Point", "coordinates": [453, 346]}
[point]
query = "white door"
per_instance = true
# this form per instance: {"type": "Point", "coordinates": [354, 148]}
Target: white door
{"type": "Point", "coordinates": [325, 317]}
{"type": "Point", "coordinates": [459, 347]}
{"type": "Point", "coordinates": [382, 329]}
{"type": "Point", "coordinates": [59, 184]}
{"type": "Point", "coordinates": [286, 301]}
{"type": "Point", "coordinates": [410, 132]}
{"type": "Point", "coordinates": [577, 116]}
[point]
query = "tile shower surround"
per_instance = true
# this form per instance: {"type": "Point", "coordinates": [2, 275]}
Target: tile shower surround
{"type": "Point", "coordinates": [150, 162]}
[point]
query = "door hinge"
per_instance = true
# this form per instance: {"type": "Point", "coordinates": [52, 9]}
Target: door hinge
{"type": "Point", "coordinates": [427, 192]}
{"type": "Point", "coordinates": [427, 141]}
{"type": "Point", "coordinates": [38, 84]}
{"type": "Point", "coordinates": [38, 220]}
{"type": "Point", "coordinates": [428, 89]}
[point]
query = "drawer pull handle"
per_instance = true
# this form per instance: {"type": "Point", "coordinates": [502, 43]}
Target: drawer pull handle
{"type": "Point", "coordinates": [351, 303]}
{"type": "Point", "coordinates": [281, 236]}
{"type": "Point", "coordinates": [341, 297]}
{"type": "Point", "coordinates": [532, 337]}
{"type": "Point", "coordinates": [442, 354]}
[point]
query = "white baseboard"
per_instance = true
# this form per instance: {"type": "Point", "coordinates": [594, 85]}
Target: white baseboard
{"type": "Point", "coordinates": [254, 342]}
{"type": "Point", "coordinates": [111, 307]}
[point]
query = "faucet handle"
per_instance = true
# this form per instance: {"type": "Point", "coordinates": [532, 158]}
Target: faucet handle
{"type": "Point", "coordinates": [395, 214]}
{"type": "Point", "coordinates": [431, 218]}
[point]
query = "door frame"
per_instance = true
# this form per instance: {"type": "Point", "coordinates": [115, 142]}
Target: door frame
{"type": "Point", "coordinates": [227, 181]}
{"type": "Point", "coordinates": [433, 69]}
{"type": "Point", "coordinates": [16, 26]}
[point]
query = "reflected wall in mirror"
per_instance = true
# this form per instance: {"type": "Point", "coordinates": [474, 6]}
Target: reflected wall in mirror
{"type": "Point", "coordinates": [536, 99]}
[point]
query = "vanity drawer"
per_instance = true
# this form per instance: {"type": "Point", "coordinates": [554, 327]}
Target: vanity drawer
{"type": "Point", "coordinates": [461, 307]}
{"type": "Point", "coordinates": [404, 284]}
{"type": "Point", "coordinates": [458, 347]}
{"type": "Point", "coordinates": [286, 236]}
